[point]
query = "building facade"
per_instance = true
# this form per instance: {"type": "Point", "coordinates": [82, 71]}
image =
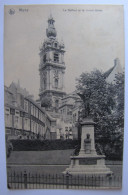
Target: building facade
{"type": "Point", "coordinates": [24, 118]}
{"type": "Point", "coordinates": [68, 103]}
{"type": "Point", "coordinates": [52, 68]}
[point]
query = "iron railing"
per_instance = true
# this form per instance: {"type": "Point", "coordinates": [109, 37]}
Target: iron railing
{"type": "Point", "coordinates": [60, 181]}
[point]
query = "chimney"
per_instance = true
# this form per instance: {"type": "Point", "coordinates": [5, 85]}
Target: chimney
{"type": "Point", "coordinates": [116, 62]}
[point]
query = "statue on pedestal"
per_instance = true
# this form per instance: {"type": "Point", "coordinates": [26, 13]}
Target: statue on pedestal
{"type": "Point", "coordinates": [86, 100]}
{"type": "Point", "coordinates": [88, 162]}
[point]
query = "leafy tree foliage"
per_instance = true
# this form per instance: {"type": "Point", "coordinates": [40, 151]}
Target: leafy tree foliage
{"type": "Point", "coordinates": [104, 102]}
{"type": "Point", "coordinates": [46, 102]}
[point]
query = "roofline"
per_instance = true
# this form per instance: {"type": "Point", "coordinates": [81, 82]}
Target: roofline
{"type": "Point", "coordinates": [33, 102]}
{"type": "Point", "coordinates": [108, 72]}
{"type": "Point", "coordinates": [14, 107]}
{"type": "Point", "coordinates": [65, 105]}
{"type": "Point", "coordinates": [50, 91]}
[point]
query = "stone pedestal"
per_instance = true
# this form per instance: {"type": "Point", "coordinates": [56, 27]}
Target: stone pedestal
{"type": "Point", "coordinates": [88, 162]}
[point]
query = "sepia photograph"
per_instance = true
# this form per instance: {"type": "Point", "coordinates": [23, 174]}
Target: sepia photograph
{"type": "Point", "coordinates": [64, 70]}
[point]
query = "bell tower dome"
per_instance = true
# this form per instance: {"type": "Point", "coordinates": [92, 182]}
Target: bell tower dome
{"type": "Point", "coordinates": [52, 67]}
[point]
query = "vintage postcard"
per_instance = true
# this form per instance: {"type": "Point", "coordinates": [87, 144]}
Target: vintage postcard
{"type": "Point", "coordinates": [64, 96]}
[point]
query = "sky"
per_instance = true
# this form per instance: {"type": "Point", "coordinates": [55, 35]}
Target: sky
{"type": "Point", "coordinates": [93, 36]}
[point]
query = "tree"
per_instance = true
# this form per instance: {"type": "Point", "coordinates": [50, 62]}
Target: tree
{"type": "Point", "coordinates": [119, 91]}
{"type": "Point", "coordinates": [104, 103]}
{"type": "Point", "coordinates": [118, 113]}
{"type": "Point", "coordinates": [46, 102]}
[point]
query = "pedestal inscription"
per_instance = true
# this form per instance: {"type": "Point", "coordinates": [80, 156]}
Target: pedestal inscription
{"type": "Point", "coordinates": [85, 161]}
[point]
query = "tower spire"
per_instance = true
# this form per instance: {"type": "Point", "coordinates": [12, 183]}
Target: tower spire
{"type": "Point", "coordinates": [51, 31]}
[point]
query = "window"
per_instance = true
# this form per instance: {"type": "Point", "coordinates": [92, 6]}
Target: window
{"type": "Point", "coordinates": [55, 45]}
{"type": "Point", "coordinates": [74, 117]}
{"type": "Point", "coordinates": [36, 128]}
{"type": "Point", "coordinates": [51, 22]}
{"type": "Point", "coordinates": [35, 112]}
{"type": "Point", "coordinates": [26, 106]}
{"type": "Point", "coordinates": [44, 58]}
{"type": "Point", "coordinates": [43, 119]}
{"type": "Point", "coordinates": [8, 131]}
{"type": "Point", "coordinates": [57, 103]}
{"type": "Point", "coordinates": [16, 119]}
{"type": "Point", "coordinates": [44, 83]}
{"type": "Point", "coordinates": [56, 83]}
{"type": "Point", "coordinates": [66, 128]}
{"type": "Point", "coordinates": [39, 114]}
{"type": "Point", "coordinates": [31, 109]}
{"type": "Point", "coordinates": [70, 128]}
{"type": "Point", "coordinates": [26, 121]}
{"type": "Point", "coordinates": [32, 126]}
{"type": "Point", "coordinates": [7, 119]}
{"type": "Point", "coordinates": [56, 57]}
{"type": "Point", "coordinates": [69, 112]}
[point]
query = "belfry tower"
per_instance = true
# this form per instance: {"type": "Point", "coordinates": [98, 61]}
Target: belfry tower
{"type": "Point", "coordinates": [52, 68]}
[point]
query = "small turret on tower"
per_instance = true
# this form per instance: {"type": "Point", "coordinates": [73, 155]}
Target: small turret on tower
{"type": "Point", "coordinates": [51, 31]}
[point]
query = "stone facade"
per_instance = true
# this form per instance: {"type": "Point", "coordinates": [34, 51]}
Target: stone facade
{"type": "Point", "coordinates": [68, 103]}
{"type": "Point", "coordinates": [52, 68]}
{"type": "Point", "coordinates": [24, 118]}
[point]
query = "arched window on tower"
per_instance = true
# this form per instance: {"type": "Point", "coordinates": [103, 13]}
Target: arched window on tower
{"type": "Point", "coordinates": [44, 83]}
{"type": "Point", "coordinates": [55, 45]}
{"type": "Point", "coordinates": [44, 58]}
{"type": "Point", "coordinates": [56, 83]}
{"type": "Point", "coordinates": [56, 57]}
{"type": "Point", "coordinates": [56, 104]}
